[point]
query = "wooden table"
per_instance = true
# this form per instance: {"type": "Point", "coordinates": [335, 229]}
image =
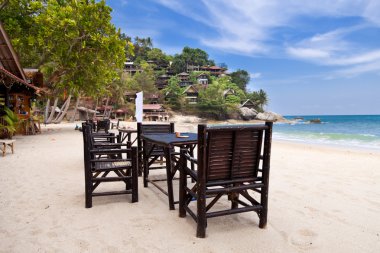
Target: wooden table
{"type": "Point", "coordinates": [127, 134]}
{"type": "Point", "coordinates": [168, 142]}
{"type": "Point", "coordinates": [6, 143]}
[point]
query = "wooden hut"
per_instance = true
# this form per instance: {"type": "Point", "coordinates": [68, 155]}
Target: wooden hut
{"type": "Point", "coordinates": [16, 90]}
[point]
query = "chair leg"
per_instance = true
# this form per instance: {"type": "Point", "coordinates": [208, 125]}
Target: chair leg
{"type": "Point", "coordinates": [234, 196]}
{"type": "Point", "coordinates": [264, 212]}
{"type": "Point", "coordinates": [88, 194]}
{"type": "Point", "coordinates": [129, 183]}
{"type": "Point", "coordinates": [201, 212]}
{"type": "Point", "coordinates": [146, 172]}
{"type": "Point", "coordinates": [182, 188]}
{"type": "Point", "coordinates": [134, 173]}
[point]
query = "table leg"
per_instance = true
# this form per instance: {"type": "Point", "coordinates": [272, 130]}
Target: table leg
{"type": "Point", "coordinates": [169, 177]}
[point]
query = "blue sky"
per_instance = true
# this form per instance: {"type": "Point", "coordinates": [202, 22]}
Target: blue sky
{"type": "Point", "coordinates": [311, 57]}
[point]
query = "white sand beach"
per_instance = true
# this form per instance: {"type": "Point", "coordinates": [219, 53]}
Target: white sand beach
{"type": "Point", "coordinates": [321, 199]}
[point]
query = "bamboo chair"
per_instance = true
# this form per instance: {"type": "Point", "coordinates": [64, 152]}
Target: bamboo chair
{"type": "Point", "coordinates": [232, 161]}
{"type": "Point", "coordinates": [108, 162]}
{"type": "Point", "coordinates": [155, 159]}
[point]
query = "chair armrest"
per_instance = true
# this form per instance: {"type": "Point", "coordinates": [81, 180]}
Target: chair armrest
{"type": "Point", "coordinates": [185, 153]}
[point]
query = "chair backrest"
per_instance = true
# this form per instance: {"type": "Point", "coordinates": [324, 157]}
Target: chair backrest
{"type": "Point", "coordinates": [153, 129]}
{"type": "Point", "coordinates": [229, 153]}
{"type": "Point", "coordinates": [103, 125]}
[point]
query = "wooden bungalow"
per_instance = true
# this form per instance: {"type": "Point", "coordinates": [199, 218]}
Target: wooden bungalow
{"type": "Point", "coordinates": [248, 104]}
{"type": "Point", "coordinates": [130, 96]}
{"type": "Point", "coordinates": [153, 98]}
{"type": "Point", "coordinates": [214, 70]}
{"type": "Point", "coordinates": [16, 90]}
{"type": "Point", "coordinates": [155, 112]}
{"type": "Point", "coordinates": [184, 79]}
{"type": "Point", "coordinates": [191, 94]}
{"type": "Point", "coordinates": [131, 68]}
{"type": "Point", "coordinates": [202, 79]}
{"type": "Point", "coordinates": [162, 81]}
{"type": "Point", "coordinates": [228, 92]}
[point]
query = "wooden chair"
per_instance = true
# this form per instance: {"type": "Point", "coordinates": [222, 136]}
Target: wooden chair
{"type": "Point", "coordinates": [156, 157]}
{"type": "Point", "coordinates": [108, 162]}
{"type": "Point", "coordinates": [232, 161]}
{"type": "Point", "coordinates": [103, 125]}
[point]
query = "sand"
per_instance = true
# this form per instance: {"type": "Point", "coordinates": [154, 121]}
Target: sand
{"type": "Point", "coordinates": [321, 199]}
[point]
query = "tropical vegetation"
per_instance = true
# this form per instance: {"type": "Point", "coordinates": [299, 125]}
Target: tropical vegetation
{"type": "Point", "coordinates": [81, 53]}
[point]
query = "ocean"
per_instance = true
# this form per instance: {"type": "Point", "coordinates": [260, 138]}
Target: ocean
{"type": "Point", "coordinates": [353, 131]}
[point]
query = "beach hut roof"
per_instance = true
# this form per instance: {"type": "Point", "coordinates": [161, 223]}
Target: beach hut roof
{"type": "Point", "coordinates": [9, 62]}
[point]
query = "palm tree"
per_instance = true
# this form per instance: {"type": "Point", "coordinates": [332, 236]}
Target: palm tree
{"type": "Point", "coordinates": [263, 99]}
{"type": "Point", "coordinates": [260, 98]}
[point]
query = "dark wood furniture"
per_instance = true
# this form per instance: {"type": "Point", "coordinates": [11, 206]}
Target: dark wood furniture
{"type": "Point", "coordinates": [126, 134]}
{"type": "Point", "coordinates": [232, 161]}
{"type": "Point", "coordinates": [162, 144]}
{"type": "Point", "coordinates": [158, 154]}
{"type": "Point", "coordinates": [108, 162]}
{"type": "Point", "coordinates": [103, 125]}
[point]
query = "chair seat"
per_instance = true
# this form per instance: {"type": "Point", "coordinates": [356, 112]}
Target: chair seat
{"type": "Point", "coordinates": [110, 166]}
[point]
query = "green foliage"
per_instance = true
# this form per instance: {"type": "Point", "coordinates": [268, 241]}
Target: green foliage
{"type": "Point", "coordinates": [72, 42]}
{"type": "Point", "coordinates": [141, 81]}
{"type": "Point", "coordinates": [260, 98]}
{"type": "Point", "coordinates": [174, 94]}
{"type": "Point", "coordinates": [190, 56]}
{"type": "Point", "coordinates": [9, 127]}
{"type": "Point", "coordinates": [240, 78]}
{"type": "Point", "coordinates": [141, 48]}
{"type": "Point", "coordinates": [80, 51]}
{"type": "Point", "coordinates": [159, 57]}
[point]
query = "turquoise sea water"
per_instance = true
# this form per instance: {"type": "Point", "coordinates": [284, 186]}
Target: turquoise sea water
{"type": "Point", "coordinates": [356, 131]}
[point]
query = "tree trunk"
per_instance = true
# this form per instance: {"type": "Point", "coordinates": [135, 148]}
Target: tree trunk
{"type": "Point", "coordinates": [64, 109]}
{"type": "Point", "coordinates": [60, 112]}
{"type": "Point", "coordinates": [75, 110]}
{"type": "Point", "coordinates": [48, 121]}
{"type": "Point", "coordinates": [105, 107]}
{"type": "Point", "coordinates": [46, 111]}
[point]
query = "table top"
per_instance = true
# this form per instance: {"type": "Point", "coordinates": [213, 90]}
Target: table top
{"type": "Point", "coordinates": [127, 130]}
{"type": "Point", "coordinates": [170, 139]}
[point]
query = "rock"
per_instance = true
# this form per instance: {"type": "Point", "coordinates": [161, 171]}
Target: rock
{"type": "Point", "coordinates": [315, 121]}
{"type": "Point", "coordinates": [247, 114]}
{"type": "Point", "coordinates": [269, 116]}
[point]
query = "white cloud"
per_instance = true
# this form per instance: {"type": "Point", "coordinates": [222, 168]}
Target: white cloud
{"type": "Point", "coordinates": [253, 27]}
{"type": "Point", "coordinates": [356, 70]}
{"type": "Point", "coordinates": [255, 75]}
{"type": "Point", "coordinates": [248, 25]}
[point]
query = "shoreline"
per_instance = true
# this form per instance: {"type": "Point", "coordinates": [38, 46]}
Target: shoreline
{"type": "Point", "coordinates": [191, 127]}
{"type": "Point", "coordinates": [335, 147]}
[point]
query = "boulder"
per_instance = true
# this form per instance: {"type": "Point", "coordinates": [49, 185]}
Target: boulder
{"type": "Point", "coordinates": [247, 114]}
{"type": "Point", "coordinates": [269, 116]}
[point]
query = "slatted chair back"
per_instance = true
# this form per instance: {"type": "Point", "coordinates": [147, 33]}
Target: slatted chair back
{"type": "Point", "coordinates": [234, 161]}
{"type": "Point", "coordinates": [231, 153]}
{"type": "Point", "coordinates": [151, 129]}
